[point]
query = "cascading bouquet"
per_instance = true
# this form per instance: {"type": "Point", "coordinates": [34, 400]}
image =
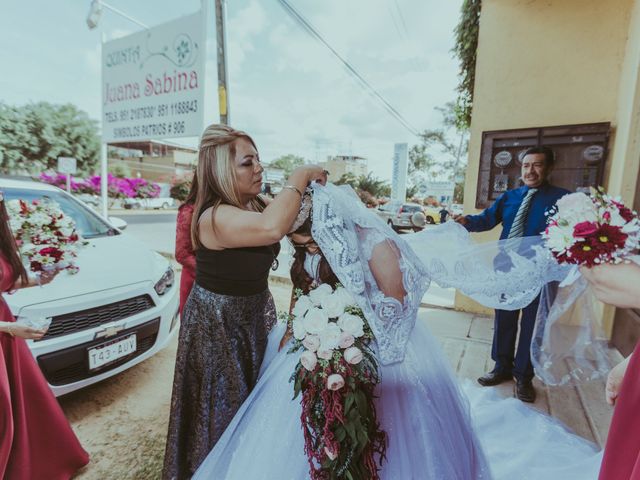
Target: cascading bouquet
{"type": "Point", "coordinates": [46, 236]}
{"type": "Point", "coordinates": [591, 230]}
{"type": "Point", "coordinates": [336, 375]}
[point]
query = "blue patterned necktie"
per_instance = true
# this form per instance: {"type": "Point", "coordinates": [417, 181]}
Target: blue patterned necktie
{"type": "Point", "coordinates": [517, 227]}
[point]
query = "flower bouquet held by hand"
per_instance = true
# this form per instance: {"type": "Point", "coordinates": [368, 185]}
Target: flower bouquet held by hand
{"type": "Point", "coordinates": [591, 230]}
{"type": "Point", "coordinates": [336, 375]}
{"type": "Point", "coordinates": [570, 345]}
{"type": "Point", "coordinates": [46, 236]}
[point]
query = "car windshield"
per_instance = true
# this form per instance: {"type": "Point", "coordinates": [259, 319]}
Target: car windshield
{"type": "Point", "coordinates": [411, 208]}
{"type": "Point", "coordinates": [89, 224]}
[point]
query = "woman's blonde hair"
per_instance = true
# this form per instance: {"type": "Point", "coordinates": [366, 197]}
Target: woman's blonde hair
{"type": "Point", "coordinates": [216, 174]}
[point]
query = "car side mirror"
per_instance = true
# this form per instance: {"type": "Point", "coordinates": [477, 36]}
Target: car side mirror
{"type": "Point", "coordinates": [117, 222]}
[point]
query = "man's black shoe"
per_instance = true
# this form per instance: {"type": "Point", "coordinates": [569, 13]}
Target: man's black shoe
{"type": "Point", "coordinates": [525, 391]}
{"type": "Point", "coordinates": [494, 378]}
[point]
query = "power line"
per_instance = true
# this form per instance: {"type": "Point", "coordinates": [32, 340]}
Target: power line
{"type": "Point", "coordinates": [372, 91]}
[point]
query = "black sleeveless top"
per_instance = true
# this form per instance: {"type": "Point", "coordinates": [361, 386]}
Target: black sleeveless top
{"type": "Point", "coordinates": [239, 272]}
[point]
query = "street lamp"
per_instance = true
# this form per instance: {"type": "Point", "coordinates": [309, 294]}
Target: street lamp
{"type": "Point", "coordinates": [95, 12]}
{"type": "Point", "coordinates": [93, 18]}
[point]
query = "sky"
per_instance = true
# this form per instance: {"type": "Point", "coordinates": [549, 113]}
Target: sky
{"type": "Point", "coordinates": [285, 88]}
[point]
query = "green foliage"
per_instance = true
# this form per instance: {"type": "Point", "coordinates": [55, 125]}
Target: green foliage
{"type": "Point", "coordinates": [348, 178]}
{"type": "Point", "coordinates": [33, 136]}
{"type": "Point", "coordinates": [180, 188]}
{"type": "Point", "coordinates": [466, 47]}
{"type": "Point", "coordinates": [373, 185]}
{"type": "Point", "coordinates": [119, 169]}
{"type": "Point", "coordinates": [441, 153]}
{"type": "Point", "coordinates": [288, 163]}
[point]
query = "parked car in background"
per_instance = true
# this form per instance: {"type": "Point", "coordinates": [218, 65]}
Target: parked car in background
{"type": "Point", "coordinates": [456, 209]}
{"type": "Point", "coordinates": [163, 203]}
{"type": "Point", "coordinates": [403, 216]}
{"type": "Point", "coordinates": [432, 214]}
{"type": "Point", "coordinates": [118, 310]}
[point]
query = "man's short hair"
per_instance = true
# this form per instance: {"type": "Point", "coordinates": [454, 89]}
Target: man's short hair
{"type": "Point", "coordinates": [549, 156]}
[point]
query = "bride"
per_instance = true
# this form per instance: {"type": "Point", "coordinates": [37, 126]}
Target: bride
{"type": "Point", "coordinates": [434, 429]}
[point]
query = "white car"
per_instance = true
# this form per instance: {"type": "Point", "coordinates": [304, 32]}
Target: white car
{"type": "Point", "coordinates": [163, 203]}
{"type": "Point", "coordinates": [118, 310]}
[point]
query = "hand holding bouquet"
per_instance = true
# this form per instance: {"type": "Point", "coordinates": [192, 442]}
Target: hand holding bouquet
{"type": "Point", "coordinates": [337, 374]}
{"type": "Point", "coordinates": [591, 230]}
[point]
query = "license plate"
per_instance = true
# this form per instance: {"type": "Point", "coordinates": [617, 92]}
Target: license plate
{"type": "Point", "coordinates": [111, 351]}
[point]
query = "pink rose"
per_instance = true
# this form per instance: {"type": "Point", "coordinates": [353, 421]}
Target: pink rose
{"type": "Point", "coordinates": [584, 229]}
{"type": "Point", "coordinates": [308, 360]}
{"type": "Point", "coordinates": [346, 340]}
{"type": "Point", "coordinates": [325, 354]}
{"type": "Point", "coordinates": [335, 381]}
{"type": "Point", "coordinates": [311, 342]}
{"type": "Point", "coordinates": [353, 355]}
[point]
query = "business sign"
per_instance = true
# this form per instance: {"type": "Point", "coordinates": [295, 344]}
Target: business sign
{"type": "Point", "coordinates": [153, 82]}
{"type": "Point", "coordinates": [67, 165]}
{"type": "Point", "coordinates": [399, 176]}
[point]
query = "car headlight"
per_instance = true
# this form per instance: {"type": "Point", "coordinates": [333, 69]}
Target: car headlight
{"type": "Point", "coordinates": [165, 282]}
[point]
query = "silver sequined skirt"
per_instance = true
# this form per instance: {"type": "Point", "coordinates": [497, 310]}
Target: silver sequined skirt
{"type": "Point", "coordinates": [220, 349]}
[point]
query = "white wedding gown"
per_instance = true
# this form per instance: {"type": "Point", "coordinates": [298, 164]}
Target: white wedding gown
{"type": "Point", "coordinates": [437, 429]}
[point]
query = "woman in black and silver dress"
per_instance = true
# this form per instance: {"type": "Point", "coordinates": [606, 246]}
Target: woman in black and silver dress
{"type": "Point", "coordinates": [230, 311]}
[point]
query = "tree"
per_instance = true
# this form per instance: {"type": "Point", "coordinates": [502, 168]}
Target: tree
{"type": "Point", "coordinates": [442, 152]}
{"type": "Point", "coordinates": [33, 136]}
{"type": "Point", "coordinates": [373, 185]}
{"type": "Point", "coordinates": [348, 178]}
{"type": "Point", "coordinates": [288, 163]}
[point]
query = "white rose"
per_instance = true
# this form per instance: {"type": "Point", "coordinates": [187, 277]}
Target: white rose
{"type": "Point", "coordinates": [311, 342]}
{"type": "Point", "coordinates": [344, 296]}
{"type": "Point", "coordinates": [353, 355]}
{"type": "Point", "coordinates": [317, 295]}
{"type": "Point", "coordinates": [315, 320]}
{"type": "Point", "coordinates": [346, 340]}
{"type": "Point", "coordinates": [333, 305]}
{"type": "Point", "coordinates": [335, 381]}
{"type": "Point", "coordinates": [325, 354]}
{"type": "Point", "coordinates": [303, 304]}
{"type": "Point", "coordinates": [308, 360]}
{"type": "Point", "coordinates": [351, 324]}
{"type": "Point", "coordinates": [299, 329]}
{"type": "Point", "coordinates": [329, 337]}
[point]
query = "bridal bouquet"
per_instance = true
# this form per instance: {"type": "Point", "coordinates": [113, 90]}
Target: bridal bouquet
{"type": "Point", "coordinates": [336, 375]}
{"type": "Point", "coordinates": [590, 230]}
{"type": "Point", "coordinates": [46, 237]}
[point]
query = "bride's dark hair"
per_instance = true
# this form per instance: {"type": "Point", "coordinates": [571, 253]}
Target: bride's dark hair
{"type": "Point", "coordinates": [299, 276]}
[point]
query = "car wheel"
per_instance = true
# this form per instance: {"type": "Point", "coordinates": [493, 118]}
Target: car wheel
{"type": "Point", "coordinates": [165, 206]}
{"type": "Point", "coordinates": [430, 220]}
{"type": "Point", "coordinates": [390, 223]}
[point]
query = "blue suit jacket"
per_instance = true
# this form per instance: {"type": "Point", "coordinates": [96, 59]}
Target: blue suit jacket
{"type": "Point", "coordinates": [506, 206]}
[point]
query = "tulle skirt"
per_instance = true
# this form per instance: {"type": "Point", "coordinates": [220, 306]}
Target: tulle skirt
{"type": "Point", "coordinates": [436, 428]}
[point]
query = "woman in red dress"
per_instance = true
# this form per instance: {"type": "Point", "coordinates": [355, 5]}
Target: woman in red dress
{"type": "Point", "coordinates": [36, 440]}
{"type": "Point", "coordinates": [619, 285]}
{"type": "Point", "coordinates": [184, 248]}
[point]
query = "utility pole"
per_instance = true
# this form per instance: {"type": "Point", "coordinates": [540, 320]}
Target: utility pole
{"type": "Point", "coordinates": [221, 43]}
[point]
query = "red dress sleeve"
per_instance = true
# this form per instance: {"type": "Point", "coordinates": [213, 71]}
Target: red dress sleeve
{"type": "Point", "coordinates": [184, 248]}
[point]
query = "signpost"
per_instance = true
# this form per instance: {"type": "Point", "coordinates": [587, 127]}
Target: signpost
{"type": "Point", "coordinates": [68, 166]}
{"type": "Point", "coordinates": [153, 85]}
{"type": "Point", "coordinates": [399, 177]}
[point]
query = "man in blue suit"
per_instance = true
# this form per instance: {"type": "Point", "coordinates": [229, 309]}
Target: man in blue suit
{"type": "Point", "coordinates": [522, 213]}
